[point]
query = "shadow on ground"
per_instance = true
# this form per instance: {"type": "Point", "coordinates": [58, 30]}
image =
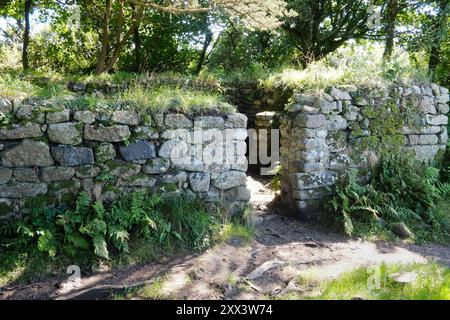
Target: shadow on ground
{"type": "Point", "coordinates": [283, 248]}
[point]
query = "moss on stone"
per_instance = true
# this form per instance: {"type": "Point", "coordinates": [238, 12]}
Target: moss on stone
{"type": "Point", "coordinates": [5, 208]}
{"type": "Point", "coordinates": [385, 127]}
{"type": "Point", "coordinates": [169, 187]}
{"type": "Point", "coordinates": [40, 201]}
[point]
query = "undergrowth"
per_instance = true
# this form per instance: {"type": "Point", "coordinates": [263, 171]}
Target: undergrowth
{"type": "Point", "coordinates": [400, 190]}
{"type": "Point", "coordinates": [137, 228]}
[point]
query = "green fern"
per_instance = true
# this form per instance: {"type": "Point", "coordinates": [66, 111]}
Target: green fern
{"type": "Point", "coordinates": [401, 190]}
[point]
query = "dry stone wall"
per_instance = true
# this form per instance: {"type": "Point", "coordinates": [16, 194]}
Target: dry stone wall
{"type": "Point", "coordinates": [326, 132]}
{"type": "Point", "coordinates": [48, 154]}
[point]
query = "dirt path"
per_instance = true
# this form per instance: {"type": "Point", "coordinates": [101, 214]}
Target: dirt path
{"type": "Point", "coordinates": [281, 250]}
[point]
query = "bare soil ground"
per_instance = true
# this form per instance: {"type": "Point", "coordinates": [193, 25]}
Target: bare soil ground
{"type": "Point", "coordinates": [267, 267]}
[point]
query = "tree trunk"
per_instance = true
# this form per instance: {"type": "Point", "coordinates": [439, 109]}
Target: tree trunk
{"type": "Point", "coordinates": [201, 60]}
{"type": "Point", "coordinates": [391, 17]}
{"type": "Point", "coordinates": [433, 62]}
{"type": "Point", "coordinates": [105, 39]}
{"type": "Point", "coordinates": [104, 64]}
{"type": "Point", "coordinates": [438, 26]}
{"type": "Point", "coordinates": [137, 48]}
{"type": "Point", "coordinates": [137, 51]}
{"type": "Point", "coordinates": [26, 35]}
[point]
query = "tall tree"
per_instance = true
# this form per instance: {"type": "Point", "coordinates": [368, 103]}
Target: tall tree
{"type": "Point", "coordinates": [322, 26]}
{"type": "Point", "coordinates": [392, 11]}
{"type": "Point", "coordinates": [117, 39]}
{"type": "Point", "coordinates": [26, 34]}
{"type": "Point", "coordinates": [440, 28]}
{"type": "Point", "coordinates": [126, 16]}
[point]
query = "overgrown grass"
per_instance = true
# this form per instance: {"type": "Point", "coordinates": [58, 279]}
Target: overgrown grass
{"type": "Point", "coordinates": [144, 92]}
{"type": "Point", "coordinates": [232, 230]}
{"type": "Point", "coordinates": [17, 85]}
{"type": "Point", "coordinates": [136, 229]}
{"type": "Point", "coordinates": [353, 65]}
{"type": "Point", "coordinates": [432, 283]}
{"type": "Point", "coordinates": [168, 98]}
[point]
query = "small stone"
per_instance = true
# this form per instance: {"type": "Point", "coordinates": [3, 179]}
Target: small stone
{"type": "Point", "coordinates": [69, 156]}
{"type": "Point", "coordinates": [26, 175]}
{"type": "Point", "coordinates": [76, 87]}
{"type": "Point", "coordinates": [22, 190]}
{"type": "Point", "coordinates": [427, 105]}
{"type": "Point", "coordinates": [127, 117]}
{"type": "Point", "coordinates": [310, 121]}
{"type": "Point", "coordinates": [442, 99]}
{"type": "Point", "coordinates": [236, 120]}
{"type": "Point", "coordinates": [312, 180]}
{"type": "Point", "coordinates": [30, 113]}
{"type": "Point", "coordinates": [443, 108]}
{"type": "Point", "coordinates": [199, 181]}
{"type": "Point", "coordinates": [179, 178]}
{"type": "Point", "coordinates": [443, 137]}
{"type": "Point", "coordinates": [422, 130]}
{"type": "Point", "coordinates": [311, 194]}
{"type": "Point", "coordinates": [28, 153]}
{"type": "Point", "coordinates": [338, 94]}
{"type": "Point", "coordinates": [437, 120]}
{"type": "Point", "coordinates": [236, 134]}
{"type": "Point", "coordinates": [425, 153]}
{"type": "Point", "coordinates": [191, 164]}
{"type": "Point", "coordinates": [58, 116]}
{"type": "Point", "coordinates": [263, 268]}
{"type": "Point", "coordinates": [5, 106]}
{"type": "Point", "coordinates": [327, 107]}
{"type": "Point", "coordinates": [436, 89]}
{"type": "Point", "coordinates": [5, 175]}
{"type": "Point", "coordinates": [65, 133]}
{"type": "Point", "coordinates": [145, 133]}
{"type": "Point", "coordinates": [230, 179]}
{"type": "Point", "coordinates": [21, 131]}
{"type": "Point", "coordinates": [237, 194]}
{"type": "Point", "coordinates": [123, 170]}
{"type": "Point", "coordinates": [405, 277]}
{"type": "Point", "coordinates": [115, 133]}
{"type": "Point", "coordinates": [156, 166]}
{"type": "Point", "coordinates": [140, 181]}
{"type": "Point", "coordinates": [336, 123]}
{"type": "Point", "coordinates": [209, 122]}
{"type": "Point", "coordinates": [50, 174]}
{"type": "Point", "coordinates": [181, 134]}
{"type": "Point", "coordinates": [87, 171]}
{"type": "Point", "coordinates": [178, 121]}
{"type": "Point", "coordinates": [104, 152]}
{"type": "Point", "coordinates": [423, 139]}
{"type": "Point", "coordinates": [86, 117]}
{"type": "Point", "coordinates": [402, 230]}
{"type": "Point", "coordinates": [174, 149]}
{"type": "Point", "coordinates": [139, 150]}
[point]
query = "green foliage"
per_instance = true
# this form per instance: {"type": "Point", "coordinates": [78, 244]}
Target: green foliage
{"type": "Point", "coordinates": [239, 51]}
{"type": "Point", "coordinates": [169, 98]}
{"type": "Point", "coordinates": [377, 283]}
{"type": "Point", "coordinates": [445, 165]}
{"type": "Point", "coordinates": [97, 229]}
{"type": "Point", "coordinates": [236, 229]}
{"type": "Point", "coordinates": [361, 65]}
{"type": "Point", "coordinates": [400, 190]}
{"type": "Point", "coordinates": [23, 85]}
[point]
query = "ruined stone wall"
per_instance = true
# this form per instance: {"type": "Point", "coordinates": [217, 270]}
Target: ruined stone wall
{"type": "Point", "coordinates": [48, 154]}
{"type": "Point", "coordinates": [324, 133]}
